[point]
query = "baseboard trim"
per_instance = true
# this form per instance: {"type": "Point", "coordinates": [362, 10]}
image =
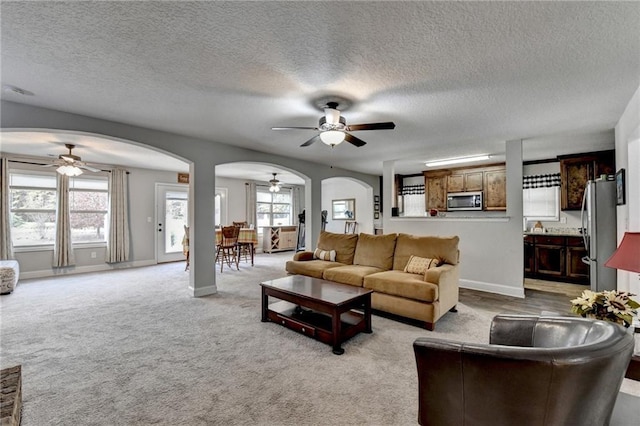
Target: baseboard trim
{"type": "Point", "coordinates": [493, 288]}
{"type": "Point", "coordinates": [72, 270]}
{"type": "Point", "coordinates": [203, 291]}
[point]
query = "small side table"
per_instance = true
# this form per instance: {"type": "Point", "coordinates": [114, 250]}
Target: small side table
{"type": "Point", "coordinates": [633, 370]}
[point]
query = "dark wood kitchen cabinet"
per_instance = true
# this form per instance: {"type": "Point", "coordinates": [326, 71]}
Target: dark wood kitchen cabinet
{"type": "Point", "coordinates": [556, 258]}
{"type": "Point", "coordinates": [576, 268]}
{"type": "Point", "coordinates": [576, 170]}
{"type": "Point", "coordinates": [550, 256]}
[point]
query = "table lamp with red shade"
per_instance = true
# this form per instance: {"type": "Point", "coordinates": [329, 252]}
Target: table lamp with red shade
{"type": "Point", "coordinates": [627, 255]}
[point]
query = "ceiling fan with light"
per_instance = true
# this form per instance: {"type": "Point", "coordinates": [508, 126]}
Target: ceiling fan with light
{"type": "Point", "coordinates": [275, 184]}
{"type": "Point", "coordinates": [71, 165]}
{"type": "Point", "coordinates": [333, 128]}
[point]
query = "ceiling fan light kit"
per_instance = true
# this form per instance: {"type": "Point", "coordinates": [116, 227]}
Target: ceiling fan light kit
{"type": "Point", "coordinates": [332, 137]}
{"type": "Point", "coordinates": [69, 170]}
{"type": "Point", "coordinates": [275, 184]}
{"type": "Point", "coordinates": [458, 160]}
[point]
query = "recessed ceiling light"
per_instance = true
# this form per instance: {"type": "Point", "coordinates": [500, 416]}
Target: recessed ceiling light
{"type": "Point", "coordinates": [15, 89]}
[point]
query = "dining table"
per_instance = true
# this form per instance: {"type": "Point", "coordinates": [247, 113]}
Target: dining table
{"type": "Point", "coordinates": [246, 236]}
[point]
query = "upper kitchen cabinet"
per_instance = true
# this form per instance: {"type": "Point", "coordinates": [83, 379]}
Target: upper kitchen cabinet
{"type": "Point", "coordinates": [435, 189]}
{"type": "Point", "coordinates": [576, 170]}
{"type": "Point", "coordinates": [495, 188]}
{"type": "Point", "coordinates": [465, 180]}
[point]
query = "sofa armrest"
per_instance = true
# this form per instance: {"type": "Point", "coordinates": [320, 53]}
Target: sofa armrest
{"type": "Point", "coordinates": [447, 278]}
{"type": "Point", "coordinates": [303, 256]}
{"type": "Point", "coordinates": [442, 272]}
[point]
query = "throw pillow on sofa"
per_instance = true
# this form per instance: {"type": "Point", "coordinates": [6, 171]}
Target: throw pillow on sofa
{"type": "Point", "coordinates": [419, 265]}
{"type": "Point", "coordinates": [329, 255]}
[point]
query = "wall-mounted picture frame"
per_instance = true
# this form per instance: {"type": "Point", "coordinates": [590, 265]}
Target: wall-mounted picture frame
{"type": "Point", "coordinates": [376, 215]}
{"type": "Point", "coordinates": [376, 207]}
{"type": "Point", "coordinates": [183, 177]}
{"type": "Point", "coordinates": [343, 209]}
{"type": "Point", "coordinates": [376, 199]}
{"type": "Point", "coordinates": [620, 189]}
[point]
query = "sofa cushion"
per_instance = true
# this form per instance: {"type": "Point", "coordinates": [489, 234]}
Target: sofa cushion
{"type": "Point", "coordinates": [311, 268]}
{"type": "Point", "coordinates": [419, 265]}
{"type": "Point", "coordinates": [343, 244]}
{"type": "Point", "coordinates": [350, 274]}
{"type": "Point", "coordinates": [444, 249]}
{"type": "Point", "coordinates": [403, 284]}
{"type": "Point", "coordinates": [329, 255]}
{"type": "Point", "coordinates": [375, 250]}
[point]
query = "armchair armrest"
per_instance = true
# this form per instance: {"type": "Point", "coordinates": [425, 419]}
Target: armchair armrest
{"type": "Point", "coordinates": [303, 256]}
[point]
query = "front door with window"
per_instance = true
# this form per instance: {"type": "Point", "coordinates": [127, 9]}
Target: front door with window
{"type": "Point", "coordinates": [171, 217]}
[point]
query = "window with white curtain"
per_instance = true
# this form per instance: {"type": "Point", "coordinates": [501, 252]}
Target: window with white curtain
{"type": "Point", "coordinates": [33, 208]}
{"type": "Point", "coordinates": [273, 208]}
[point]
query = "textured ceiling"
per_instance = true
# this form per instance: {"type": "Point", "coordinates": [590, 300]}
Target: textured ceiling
{"type": "Point", "coordinates": [457, 78]}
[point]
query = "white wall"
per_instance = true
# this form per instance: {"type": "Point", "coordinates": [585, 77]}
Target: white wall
{"type": "Point", "coordinates": [340, 188]}
{"type": "Point", "coordinates": [627, 133]}
{"type": "Point", "coordinates": [236, 198]}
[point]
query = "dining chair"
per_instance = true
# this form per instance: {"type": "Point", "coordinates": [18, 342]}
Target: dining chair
{"type": "Point", "coordinates": [350, 227]}
{"type": "Point", "coordinates": [228, 249]}
{"type": "Point", "coordinates": [241, 224]}
{"type": "Point", "coordinates": [185, 246]}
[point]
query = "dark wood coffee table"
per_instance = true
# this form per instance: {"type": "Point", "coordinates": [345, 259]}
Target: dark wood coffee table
{"type": "Point", "coordinates": [327, 311]}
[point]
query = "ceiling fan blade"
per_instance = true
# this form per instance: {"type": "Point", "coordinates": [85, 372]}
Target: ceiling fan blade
{"type": "Point", "coordinates": [294, 128]}
{"type": "Point", "coordinates": [312, 140]}
{"type": "Point", "coordinates": [387, 125]}
{"type": "Point", "coordinates": [91, 169]}
{"type": "Point", "coordinates": [353, 140]}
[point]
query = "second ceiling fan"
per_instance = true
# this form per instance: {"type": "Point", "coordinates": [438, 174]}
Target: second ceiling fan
{"type": "Point", "coordinates": [333, 128]}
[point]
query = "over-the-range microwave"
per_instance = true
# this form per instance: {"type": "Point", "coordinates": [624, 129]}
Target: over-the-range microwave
{"type": "Point", "coordinates": [464, 201]}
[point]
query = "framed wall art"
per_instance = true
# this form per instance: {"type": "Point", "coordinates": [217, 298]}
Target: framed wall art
{"type": "Point", "coordinates": [620, 187]}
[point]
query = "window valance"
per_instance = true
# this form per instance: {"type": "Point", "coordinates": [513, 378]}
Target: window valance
{"type": "Point", "coordinates": [541, 181]}
{"type": "Point", "coordinates": [412, 190]}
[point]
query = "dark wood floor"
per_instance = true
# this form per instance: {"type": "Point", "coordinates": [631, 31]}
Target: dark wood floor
{"type": "Point", "coordinates": [535, 302]}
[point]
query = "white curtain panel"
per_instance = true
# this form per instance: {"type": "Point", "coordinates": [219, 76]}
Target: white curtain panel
{"type": "Point", "coordinates": [251, 214]}
{"type": "Point", "coordinates": [295, 204]}
{"type": "Point", "coordinates": [118, 236]}
{"type": "Point", "coordinates": [6, 247]}
{"type": "Point", "coordinates": [62, 251]}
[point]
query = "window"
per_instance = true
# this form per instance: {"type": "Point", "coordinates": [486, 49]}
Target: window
{"type": "Point", "coordinates": [33, 208]}
{"type": "Point", "coordinates": [541, 203]}
{"type": "Point", "coordinates": [88, 201]}
{"type": "Point", "coordinates": [273, 208]}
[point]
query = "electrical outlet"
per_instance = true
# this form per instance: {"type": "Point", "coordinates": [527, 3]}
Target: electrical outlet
{"type": "Point", "coordinates": [93, 255]}
{"type": "Point", "coordinates": [149, 219]}
{"type": "Point", "coordinates": [563, 219]}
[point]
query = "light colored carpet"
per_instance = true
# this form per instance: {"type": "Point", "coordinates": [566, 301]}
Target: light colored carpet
{"type": "Point", "coordinates": [132, 347]}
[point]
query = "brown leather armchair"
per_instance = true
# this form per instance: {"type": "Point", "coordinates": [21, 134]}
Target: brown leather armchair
{"type": "Point", "coordinates": [535, 371]}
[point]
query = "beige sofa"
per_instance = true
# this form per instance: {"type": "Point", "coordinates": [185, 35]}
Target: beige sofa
{"type": "Point", "coordinates": [378, 262]}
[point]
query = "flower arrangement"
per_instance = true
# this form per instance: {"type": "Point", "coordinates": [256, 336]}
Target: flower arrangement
{"type": "Point", "coordinates": [615, 306]}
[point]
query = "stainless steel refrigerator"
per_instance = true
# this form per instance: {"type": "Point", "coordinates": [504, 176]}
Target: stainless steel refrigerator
{"type": "Point", "coordinates": [598, 218]}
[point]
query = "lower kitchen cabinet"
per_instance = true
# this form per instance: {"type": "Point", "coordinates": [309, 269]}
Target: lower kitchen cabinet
{"type": "Point", "coordinates": [557, 258]}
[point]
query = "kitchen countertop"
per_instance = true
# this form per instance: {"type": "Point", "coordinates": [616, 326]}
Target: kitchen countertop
{"type": "Point", "coordinates": [553, 234]}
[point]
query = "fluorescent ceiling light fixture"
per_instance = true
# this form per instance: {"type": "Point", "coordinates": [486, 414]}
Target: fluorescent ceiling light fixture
{"type": "Point", "coordinates": [69, 170]}
{"type": "Point", "coordinates": [332, 137]}
{"type": "Point", "coordinates": [457, 160]}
